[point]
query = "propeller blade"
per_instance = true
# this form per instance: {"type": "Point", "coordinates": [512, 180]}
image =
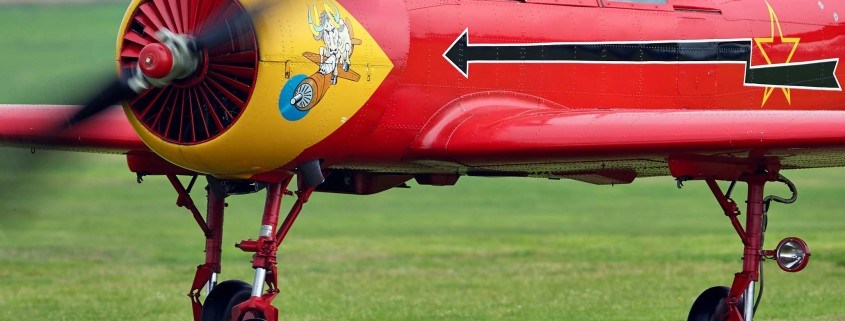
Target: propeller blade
{"type": "Point", "coordinates": [235, 24]}
{"type": "Point", "coordinates": [113, 93]}
{"type": "Point", "coordinates": [128, 86]}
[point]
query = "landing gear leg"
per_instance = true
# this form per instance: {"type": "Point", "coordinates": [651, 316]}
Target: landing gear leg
{"type": "Point", "coordinates": [259, 305]}
{"type": "Point", "coordinates": [212, 227]}
{"type": "Point", "coordinates": [737, 303]}
{"type": "Point", "coordinates": [752, 254]}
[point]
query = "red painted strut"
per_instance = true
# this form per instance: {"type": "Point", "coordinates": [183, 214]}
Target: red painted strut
{"type": "Point", "coordinates": [266, 247]}
{"type": "Point", "coordinates": [752, 238]}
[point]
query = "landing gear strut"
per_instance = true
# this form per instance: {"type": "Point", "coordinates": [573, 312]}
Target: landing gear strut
{"type": "Point", "coordinates": [236, 300]}
{"type": "Point", "coordinates": [737, 303]}
{"type": "Point", "coordinates": [212, 227]}
{"type": "Point", "coordinates": [258, 306]}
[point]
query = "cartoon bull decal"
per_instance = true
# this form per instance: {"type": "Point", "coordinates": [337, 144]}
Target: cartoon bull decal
{"type": "Point", "coordinates": [334, 57]}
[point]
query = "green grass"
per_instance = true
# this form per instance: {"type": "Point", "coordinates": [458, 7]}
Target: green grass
{"type": "Point", "coordinates": [80, 240]}
{"type": "Point", "coordinates": [96, 245]}
{"type": "Point", "coordinates": [56, 54]}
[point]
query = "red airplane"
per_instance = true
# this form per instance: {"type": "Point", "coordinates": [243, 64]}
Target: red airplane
{"type": "Point", "coordinates": [251, 95]}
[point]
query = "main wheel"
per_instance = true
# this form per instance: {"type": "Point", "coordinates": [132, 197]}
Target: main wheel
{"type": "Point", "coordinates": [225, 296]}
{"type": "Point", "coordinates": [711, 306]}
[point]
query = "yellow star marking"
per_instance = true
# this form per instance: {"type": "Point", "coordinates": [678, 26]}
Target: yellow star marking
{"type": "Point", "coordinates": [759, 41]}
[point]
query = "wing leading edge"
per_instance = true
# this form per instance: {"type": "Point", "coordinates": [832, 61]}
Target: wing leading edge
{"type": "Point", "coordinates": [34, 126]}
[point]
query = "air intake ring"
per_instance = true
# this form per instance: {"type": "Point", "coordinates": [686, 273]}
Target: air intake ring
{"type": "Point", "coordinates": [205, 104]}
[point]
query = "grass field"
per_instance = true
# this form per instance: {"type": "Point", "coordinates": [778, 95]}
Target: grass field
{"type": "Point", "coordinates": [80, 240]}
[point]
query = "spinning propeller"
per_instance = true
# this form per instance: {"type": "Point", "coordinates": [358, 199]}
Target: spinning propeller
{"type": "Point", "coordinates": [177, 56]}
{"type": "Point", "coordinates": [173, 50]}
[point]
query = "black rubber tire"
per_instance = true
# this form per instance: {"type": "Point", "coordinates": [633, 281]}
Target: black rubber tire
{"type": "Point", "coordinates": [710, 305]}
{"type": "Point", "coordinates": [218, 306]}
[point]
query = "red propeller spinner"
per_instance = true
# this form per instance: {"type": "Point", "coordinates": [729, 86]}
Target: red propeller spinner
{"type": "Point", "coordinates": [156, 61]}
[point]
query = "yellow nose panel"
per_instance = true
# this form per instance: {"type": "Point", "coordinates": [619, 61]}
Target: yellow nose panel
{"type": "Point", "coordinates": [318, 67]}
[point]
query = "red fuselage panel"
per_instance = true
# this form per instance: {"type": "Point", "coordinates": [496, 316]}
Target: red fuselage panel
{"type": "Point", "coordinates": [693, 55]}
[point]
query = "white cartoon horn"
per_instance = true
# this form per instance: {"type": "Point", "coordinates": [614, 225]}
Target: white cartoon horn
{"type": "Point", "coordinates": [333, 15]}
{"type": "Point", "coordinates": [316, 28]}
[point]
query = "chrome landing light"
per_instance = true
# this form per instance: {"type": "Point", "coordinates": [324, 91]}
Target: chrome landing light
{"type": "Point", "coordinates": [792, 254]}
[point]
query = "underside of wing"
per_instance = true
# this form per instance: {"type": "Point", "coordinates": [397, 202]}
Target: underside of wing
{"type": "Point", "coordinates": [32, 126]}
{"type": "Point", "coordinates": [491, 134]}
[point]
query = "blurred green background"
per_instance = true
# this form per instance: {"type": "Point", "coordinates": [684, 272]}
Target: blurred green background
{"type": "Point", "coordinates": [80, 240]}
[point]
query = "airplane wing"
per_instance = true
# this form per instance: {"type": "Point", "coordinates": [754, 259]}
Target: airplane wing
{"type": "Point", "coordinates": [525, 134]}
{"type": "Point", "coordinates": [32, 126]}
{"type": "Point", "coordinates": [315, 58]}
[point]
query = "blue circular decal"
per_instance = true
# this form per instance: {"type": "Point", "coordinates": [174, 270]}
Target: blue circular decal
{"type": "Point", "coordinates": [288, 110]}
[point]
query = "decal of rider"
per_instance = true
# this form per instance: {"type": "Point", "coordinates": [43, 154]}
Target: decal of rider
{"type": "Point", "coordinates": [333, 59]}
{"type": "Point", "coordinates": [336, 35]}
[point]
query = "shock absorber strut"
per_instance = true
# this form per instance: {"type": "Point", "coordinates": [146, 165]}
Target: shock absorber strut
{"type": "Point", "coordinates": [752, 237]}
{"type": "Point", "coordinates": [266, 247]}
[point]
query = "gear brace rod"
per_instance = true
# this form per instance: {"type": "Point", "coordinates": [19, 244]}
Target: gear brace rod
{"type": "Point", "coordinates": [187, 202]}
{"type": "Point", "coordinates": [301, 199]}
{"type": "Point", "coordinates": [729, 207]}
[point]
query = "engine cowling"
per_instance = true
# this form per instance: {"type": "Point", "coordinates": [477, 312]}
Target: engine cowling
{"type": "Point", "coordinates": [255, 103]}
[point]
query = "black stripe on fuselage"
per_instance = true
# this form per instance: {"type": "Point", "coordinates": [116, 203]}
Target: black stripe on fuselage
{"type": "Point", "coordinates": [810, 75]}
{"type": "Point", "coordinates": [716, 51]}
